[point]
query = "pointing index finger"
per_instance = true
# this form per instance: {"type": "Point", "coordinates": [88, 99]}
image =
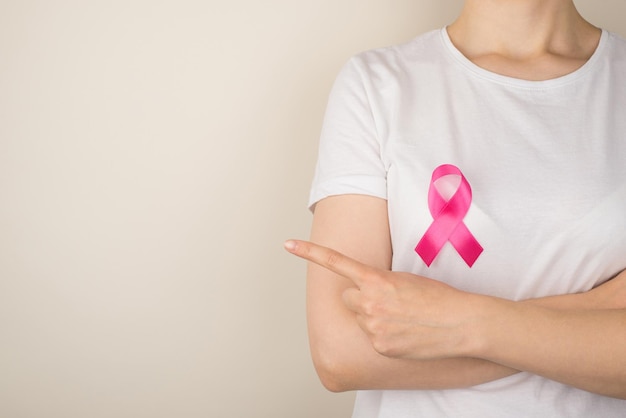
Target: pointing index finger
{"type": "Point", "coordinates": [330, 259]}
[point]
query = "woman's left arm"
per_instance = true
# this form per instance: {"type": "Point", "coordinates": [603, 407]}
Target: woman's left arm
{"type": "Point", "coordinates": [609, 295]}
{"type": "Point", "coordinates": [582, 348]}
{"type": "Point", "coordinates": [414, 317]}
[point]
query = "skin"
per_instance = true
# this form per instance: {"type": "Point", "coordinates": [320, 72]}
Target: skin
{"type": "Point", "coordinates": [411, 317]}
{"type": "Point", "coordinates": [371, 328]}
{"type": "Point", "coordinates": [527, 39]}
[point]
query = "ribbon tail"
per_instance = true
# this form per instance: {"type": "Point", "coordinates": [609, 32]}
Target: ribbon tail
{"type": "Point", "coordinates": [426, 251]}
{"type": "Point", "coordinates": [438, 233]}
{"type": "Point", "coordinates": [429, 246]}
{"type": "Point", "coordinates": [466, 244]}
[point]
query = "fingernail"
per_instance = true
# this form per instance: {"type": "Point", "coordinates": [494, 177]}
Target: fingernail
{"type": "Point", "coordinates": [290, 245]}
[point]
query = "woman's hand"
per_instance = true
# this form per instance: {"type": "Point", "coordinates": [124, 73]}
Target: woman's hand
{"type": "Point", "coordinates": [412, 317]}
{"type": "Point", "coordinates": [404, 315]}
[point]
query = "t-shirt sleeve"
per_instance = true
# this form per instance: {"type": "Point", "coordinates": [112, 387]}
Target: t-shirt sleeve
{"type": "Point", "coordinates": [349, 159]}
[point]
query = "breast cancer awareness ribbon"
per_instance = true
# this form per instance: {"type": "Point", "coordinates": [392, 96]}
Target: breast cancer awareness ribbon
{"type": "Point", "coordinates": [447, 222]}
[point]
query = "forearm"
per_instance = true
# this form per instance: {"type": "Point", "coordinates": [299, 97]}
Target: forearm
{"type": "Point", "coordinates": [345, 359]}
{"type": "Point", "coordinates": [343, 355]}
{"type": "Point", "coordinates": [384, 373]}
{"type": "Point", "coordinates": [581, 348]}
{"type": "Point", "coordinates": [609, 295]}
{"type": "Point", "coordinates": [576, 339]}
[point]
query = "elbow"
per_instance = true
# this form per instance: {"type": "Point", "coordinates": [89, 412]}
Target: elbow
{"type": "Point", "coordinates": [333, 371]}
{"type": "Point", "coordinates": [331, 376]}
{"type": "Point", "coordinates": [331, 382]}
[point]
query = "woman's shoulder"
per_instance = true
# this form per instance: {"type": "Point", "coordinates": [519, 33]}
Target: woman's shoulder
{"type": "Point", "coordinates": [414, 49]}
{"type": "Point", "coordinates": [389, 60]}
{"type": "Point", "coordinates": [616, 43]}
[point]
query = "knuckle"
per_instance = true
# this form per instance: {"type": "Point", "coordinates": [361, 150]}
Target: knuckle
{"type": "Point", "coordinates": [371, 309]}
{"type": "Point", "coordinates": [371, 275]}
{"type": "Point", "coordinates": [382, 345]}
{"type": "Point", "coordinates": [372, 327]}
{"type": "Point", "coordinates": [388, 347]}
{"type": "Point", "coordinates": [379, 346]}
{"type": "Point", "coordinates": [333, 258]}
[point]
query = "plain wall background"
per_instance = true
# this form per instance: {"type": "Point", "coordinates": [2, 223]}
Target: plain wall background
{"type": "Point", "coordinates": [153, 157]}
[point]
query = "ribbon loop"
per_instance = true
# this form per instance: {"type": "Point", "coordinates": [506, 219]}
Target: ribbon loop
{"type": "Point", "coordinates": [447, 222]}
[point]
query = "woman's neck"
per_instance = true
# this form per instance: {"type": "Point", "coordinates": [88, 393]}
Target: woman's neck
{"type": "Point", "coordinates": [529, 39]}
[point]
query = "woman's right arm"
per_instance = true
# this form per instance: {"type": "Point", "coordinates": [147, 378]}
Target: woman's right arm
{"type": "Point", "coordinates": [344, 358]}
{"type": "Point", "coordinates": [357, 226]}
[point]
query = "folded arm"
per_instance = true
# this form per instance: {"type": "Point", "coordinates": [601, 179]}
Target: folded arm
{"type": "Point", "coordinates": [343, 353]}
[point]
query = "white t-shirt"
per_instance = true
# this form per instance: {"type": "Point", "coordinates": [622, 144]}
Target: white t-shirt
{"type": "Point", "coordinates": [546, 161]}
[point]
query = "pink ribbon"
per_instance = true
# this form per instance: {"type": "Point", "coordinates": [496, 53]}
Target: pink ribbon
{"type": "Point", "coordinates": [447, 222]}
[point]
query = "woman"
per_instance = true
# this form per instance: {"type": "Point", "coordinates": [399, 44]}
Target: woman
{"type": "Point", "coordinates": [469, 207]}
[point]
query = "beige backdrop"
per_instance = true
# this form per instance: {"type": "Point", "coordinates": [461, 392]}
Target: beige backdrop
{"type": "Point", "coordinates": [154, 154]}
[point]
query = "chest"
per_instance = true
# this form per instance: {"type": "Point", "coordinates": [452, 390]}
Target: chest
{"type": "Point", "coordinates": [548, 202]}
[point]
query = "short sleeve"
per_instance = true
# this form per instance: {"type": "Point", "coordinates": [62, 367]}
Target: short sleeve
{"type": "Point", "coordinates": [349, 159]}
